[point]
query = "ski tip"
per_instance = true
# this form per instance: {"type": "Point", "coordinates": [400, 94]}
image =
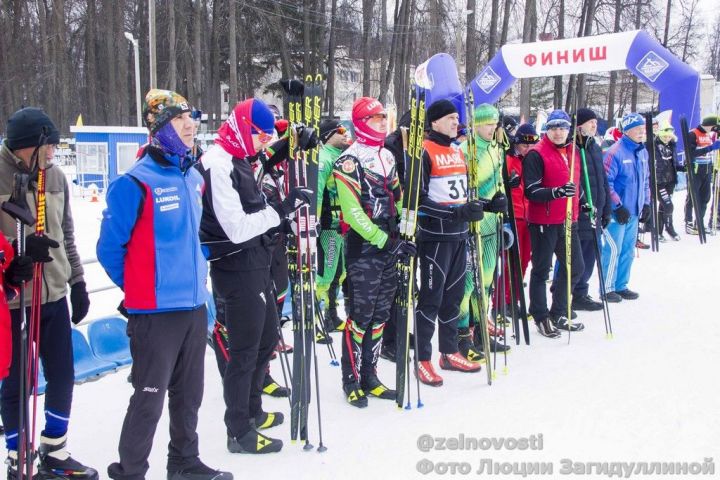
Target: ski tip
{"type": "Point", "coordinates": [321, 449]}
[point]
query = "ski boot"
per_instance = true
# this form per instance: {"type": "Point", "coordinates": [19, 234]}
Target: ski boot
{"type": "Point", "coordinates": [274, 389]}
{"type": "Point", "coordinates": [547, 329]}
{"type": "Point", "coordinates": [199, 472]}
{"type": "Point", "coordinates": [671, 231]}
{"type": "Point", "coordinates": [691, 229]}
{"type": "Point", "coordinates": [455, 361]}
{"type": "Point", "coordinates": [641, 245]}
{"type": "Point", "coordinates": [375, 388]}
{"type": "Point", "coordinates": [561, 323]}
{"type": "Point", "coordinates": [355, 395]}
{"type": "Point", "coordinates": [585, 302]}
{"type": "Point", "coordinates": [628, 294]}
{"type": "Point", "coordinates": [253, 442]}
{"type": "Point", "coordinates": [321, 338]}
{"type": "Point", "coordinates": [56, 462]}
{"type": "Point", "coordinates": [466, 347]}
{"type": "Point", "coordinates": [426, 374]}
{"type": "Point", "coordinates": [495, 346]}
{"type": "Point", "coordinates": [265, 420]}
{"type": "Point", "coordinates": [12, 469]}
{"type": "Point", "coordinates": [388, 351]}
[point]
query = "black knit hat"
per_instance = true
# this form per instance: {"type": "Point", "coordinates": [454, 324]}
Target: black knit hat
{"type": "Point", "coordinates": [439, 109]}
{"type": "Point", "coordinates": [27, 127]}
{"type": "Point", "coordinates": [585, 114]}
{"type": "Point", "coordinates": [327, 129]}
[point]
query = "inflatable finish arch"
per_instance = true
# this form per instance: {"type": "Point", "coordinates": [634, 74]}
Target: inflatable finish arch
{"type": "Point", "coordinates": [677, 83]}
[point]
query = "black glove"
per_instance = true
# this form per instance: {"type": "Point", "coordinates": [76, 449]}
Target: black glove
{"type": "Point", "coordinates": [80, 302]}
{"type": "Point", "coordinates": [297, 198]}
{"type": "Point", "coordinates": [622, 215]}
{"type": "Point", "coordinates": [498, 204]}
{"type": "Point", "coordinates": [307, 137]}
{"type": "Point", "coordinates": [645, 214]}
{"type": "Point", "coordinates": [38, 247]}
{"type": "Point", "coordinates": [400, 248]}
{"type": "Point", "coordinates": [123, 311]}
{"type": "Point", "coordinates": [584, 207]}
{"type": "Point", "coordinates": [470, 212]}
{"type": "Point", "coordinates": [605, 221]}
{"type": "Point", "coordinates": [19, 271]}
{"type": "Point", "coordinates": [514, 180]}
{"type": "Point", "coordinates": [567, 190]}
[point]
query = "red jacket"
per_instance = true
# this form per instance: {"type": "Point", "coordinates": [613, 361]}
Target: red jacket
{"type": "Point", "coordinates": [6, 251]}
{"type": "Point", "coordinates": [556, 172]}
{"type": "Point", "coordinates": [513, 163]}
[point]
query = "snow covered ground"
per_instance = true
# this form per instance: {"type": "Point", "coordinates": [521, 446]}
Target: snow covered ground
{"type": "Point", "coordinates": [650, 394]}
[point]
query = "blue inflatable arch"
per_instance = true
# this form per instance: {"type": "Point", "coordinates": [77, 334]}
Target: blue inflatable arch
{"type": "Point", "coordinates": [677, 83]}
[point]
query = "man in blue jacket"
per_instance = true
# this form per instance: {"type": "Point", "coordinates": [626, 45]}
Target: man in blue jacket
{"type": "Point", "coordinates": [149, 246]}
{"type": "Point", "coordinates": [626, 165]}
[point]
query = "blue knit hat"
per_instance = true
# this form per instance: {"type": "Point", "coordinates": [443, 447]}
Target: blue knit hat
{"type": "Point", "coordinates": [558, 118]}
{"type": "Point", "coordinates": [261, 117]}
{"type": "Point", "coordinates": [632, 120]}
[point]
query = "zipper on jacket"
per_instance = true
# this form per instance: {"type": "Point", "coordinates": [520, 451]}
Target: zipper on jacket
{"type": "Point", "coordinates": [192, 221]}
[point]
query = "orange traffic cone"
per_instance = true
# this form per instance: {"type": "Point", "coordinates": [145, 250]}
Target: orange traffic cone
{"type": "Point", "coordinates": [94, 198]}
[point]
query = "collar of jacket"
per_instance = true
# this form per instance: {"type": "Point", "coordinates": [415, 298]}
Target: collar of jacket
{"type": "Point", "coordinates": [334, 151]}
{"type": "Point", "coordinates": [439, 138]}
{"type": "Point", "coordinates": [7, 156]}
{"type": "Point", "coordinates": [165, 160]}
{"type": "Point", "coordinates": [631, 144]}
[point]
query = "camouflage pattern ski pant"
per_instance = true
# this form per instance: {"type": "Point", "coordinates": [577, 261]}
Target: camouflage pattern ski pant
{"type": "Point", "coordinates": [372, 281]}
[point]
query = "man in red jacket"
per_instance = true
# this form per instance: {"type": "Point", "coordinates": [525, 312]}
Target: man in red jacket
{"type": "Point", "coordinates": [546, 173]}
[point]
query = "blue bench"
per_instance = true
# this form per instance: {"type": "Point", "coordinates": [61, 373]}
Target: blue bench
{"type": "Point", "coordinates": [109, 341]}
{"type": "Point", "coordinates": [87, 366]}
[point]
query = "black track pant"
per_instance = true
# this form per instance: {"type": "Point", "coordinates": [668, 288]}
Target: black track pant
{"type": "Point", "coordinates": [703, 192]}
{"type": "Point", "coordinates": [168, 351]}
{"type": "Point", "coordinates": [665, 206]}
{"type": "Point", "coordinates": [56, 354]}
{"type": "Point", "coordinates": [245, 301]}
{"type": "Point", "coordinates": [372, 281]}
{"type": "Point", "coordinates": [442, 286]}
{"type": "Point", "coordinates": [547, 240]}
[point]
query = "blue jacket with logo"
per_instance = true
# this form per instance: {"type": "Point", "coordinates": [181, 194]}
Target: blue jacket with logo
{"type": "Point", "coordinates": [149, 243]}
{"type": "Point", "coordinates": [626, 164]}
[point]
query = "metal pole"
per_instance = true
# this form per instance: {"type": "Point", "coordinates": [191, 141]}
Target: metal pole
{"type": "Point", "coordinates": [151, 32]}
{"type": "Point", "coordinates": [137, 81]}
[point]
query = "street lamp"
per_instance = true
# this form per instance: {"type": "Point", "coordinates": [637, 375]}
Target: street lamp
{"type": "Point", "coordinates": [134, 42]}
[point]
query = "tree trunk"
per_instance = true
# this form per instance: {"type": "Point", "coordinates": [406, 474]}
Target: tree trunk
{"type": "Point", "coordinates": [90, 65]}
{"type": "Point", "coordinates": [172, 47]}
{"type": "Point", "coordinates": [587, 31]}
{"type": "Point", "coordinates": [367, 14]}
{"type": "Point", "coordinates": [233, 58]}
{"type": "Point", "coordinates": [492, 35]}
{"type": "Point", "coordinates": [529, 24]}
{"type": "Point", "coordinates": [471, 43]}
{"type": "Point", "coordinates": [506, 22]}
{"type": "Point", "coordinates": [667, 23]}
{"type": "Point", "coordinates": [197, 56]}
{"type": "Point", "coordinates": [382, 93]}
{"type": "Point", "coordinates": [613, 75]}
{"type": "Point", "coordinates": [634, 92]}
{"type": "Point", "coordinates": [307, 48]}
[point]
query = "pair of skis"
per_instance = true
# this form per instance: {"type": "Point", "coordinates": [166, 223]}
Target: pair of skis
{"type": "Point", "coordinates": [305, 105]}
{"type": "Point", "coordinates": [404, 299]}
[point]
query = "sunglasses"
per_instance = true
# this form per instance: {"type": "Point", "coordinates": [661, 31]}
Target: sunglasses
{"type": "Point", "coordinates": [264, 137]}
{"type": "Point", "coordinates": [376, 116]}
{"type": "Point", "coordinates": [340, 130]}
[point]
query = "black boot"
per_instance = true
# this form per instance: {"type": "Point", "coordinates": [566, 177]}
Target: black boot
{"type": "Point", "coordinates": [355, 395]}
{"type": "Point", "coordinates": [547, 329]}
{"type": "Point", "coordinates": [56, 462]}
{"type": "Point", "coordinates": [267, 420]}
{"type": "Point", "coordinates": [199, 472]}
{"type": "Point", "coordinates": [466, 347]}
{"type": "Point", "coordinates": [388, 351]}
{"type": "Point", "coordinates": [585, 302]}
{"type": "Point", "coordinates": [254, 442]}
{"type": "Point", "coordinates": [372, 386]}
{"type": "Point", "coordinates": [274, 389]}
{"type": "Point", "coordinates": [561, 323]}
{"type": "Point", "coordinates": [12, 469]}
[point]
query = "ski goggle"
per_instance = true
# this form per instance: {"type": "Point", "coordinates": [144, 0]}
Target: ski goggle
{"type": "Point", "coordinates": [263, 136]}
{"type": "Point", "coordinates": [376, 116]}
{"type": "Point", "coordinates": [526, 138]}
{"type": "Point", "coordinates": [341, 130]}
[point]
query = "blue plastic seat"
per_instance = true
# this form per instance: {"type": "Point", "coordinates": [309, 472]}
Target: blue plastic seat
{"type": "Point", "coordinates": [87, 365]}
{"type": "Point", "coordinates": [109, 341]}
